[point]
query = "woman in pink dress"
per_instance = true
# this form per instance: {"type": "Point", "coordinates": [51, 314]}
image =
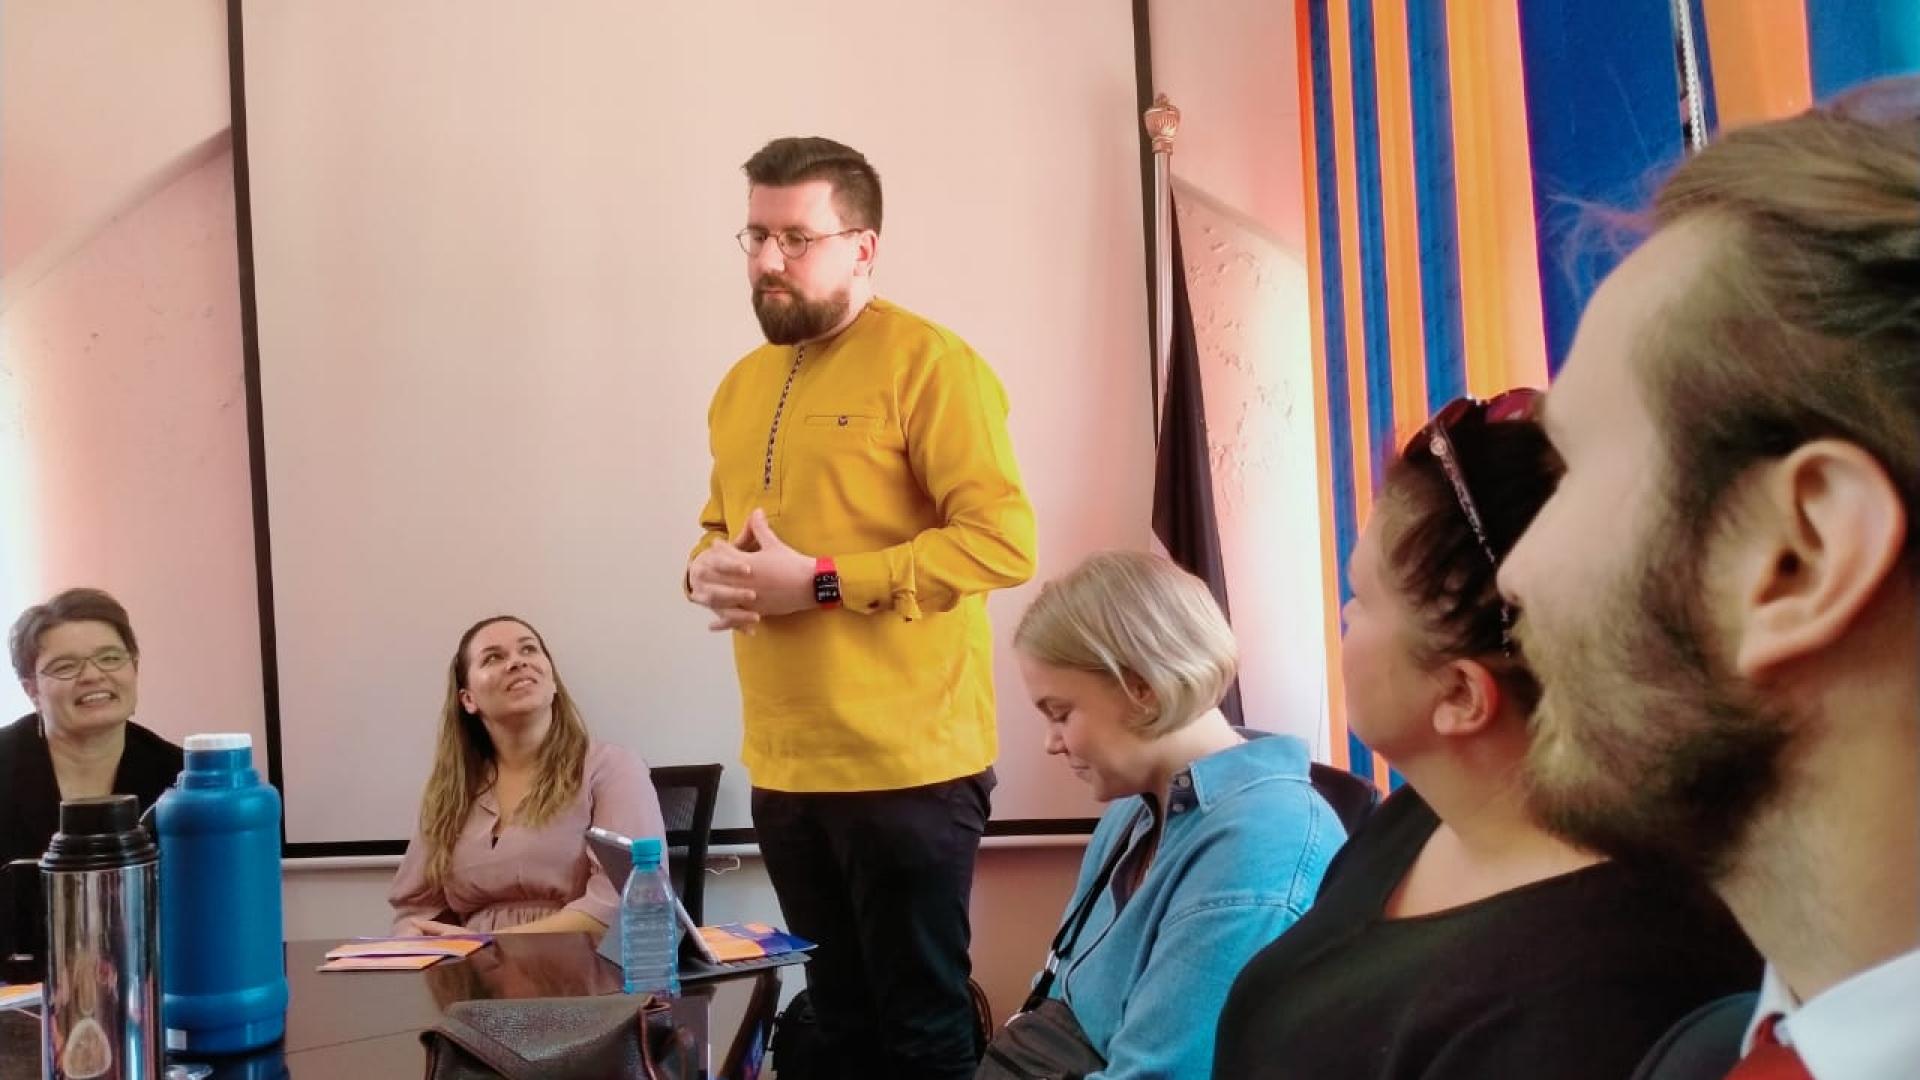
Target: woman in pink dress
{"type": "Point", "coordinates": [500, 846]}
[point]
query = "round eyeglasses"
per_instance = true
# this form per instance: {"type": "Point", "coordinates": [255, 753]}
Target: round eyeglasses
{"type": "Point", "coordinates": [69, 668]}
{"type": "Point", "coordinates": [792, 243]}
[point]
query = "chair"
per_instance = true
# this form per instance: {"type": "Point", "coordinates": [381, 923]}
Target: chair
{"type": "Point", "coordinates": [1352, 798]}
{"type": "Point", "coordinates": [1705, 1045]}
{"type": "Point", "coordinates": [687, 796]}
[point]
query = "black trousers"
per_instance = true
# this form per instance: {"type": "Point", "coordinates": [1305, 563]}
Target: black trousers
{"type": "Point", "coordinates": [882, 880]}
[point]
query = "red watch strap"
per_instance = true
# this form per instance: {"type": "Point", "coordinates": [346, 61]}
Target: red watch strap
{"type": "Point", "coordinates": [823, 567]}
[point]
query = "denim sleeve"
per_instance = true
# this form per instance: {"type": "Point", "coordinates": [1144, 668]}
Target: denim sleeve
{"type": "Point", "coordinates": [1256, 880]}
{"type": "Point", "coordinates": [1167, 1026]}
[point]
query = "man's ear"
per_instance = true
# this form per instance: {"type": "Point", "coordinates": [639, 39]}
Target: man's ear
{"type": "Point", "coordinates": [1469, 700]}
{"type": "Point", "coordinates": [27, 688]}
{"type": "Point", "coordinates": [1819, 531]}
{"type": "Point", "coordinates": [867, 251]}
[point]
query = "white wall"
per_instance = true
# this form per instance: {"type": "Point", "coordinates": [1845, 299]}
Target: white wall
{"type": "Point", "coordinates": [1250, 313]}
{"type": "Point", "coordinates": [515, 326]}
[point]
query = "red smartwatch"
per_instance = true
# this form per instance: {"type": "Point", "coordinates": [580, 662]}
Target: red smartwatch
{"type": "Point", "coordinates": [826, 582]}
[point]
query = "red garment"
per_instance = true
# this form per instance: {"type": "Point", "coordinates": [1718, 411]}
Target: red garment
{"type": "Point", "coordinates": [1770, 1059]}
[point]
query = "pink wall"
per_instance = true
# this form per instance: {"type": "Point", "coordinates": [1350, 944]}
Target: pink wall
{"type": "Point", "coordinates": [1228, 65]}
{"type": "Point", "coordinates": [100, 100]}
{"type": "Point", "coordinates": [123, 448]}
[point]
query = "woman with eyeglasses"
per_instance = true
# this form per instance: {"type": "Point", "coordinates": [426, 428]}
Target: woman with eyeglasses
{"type": "Point", "coordinates": [501, 845]}
{"type": "Point", "coordinates": [1454, 937]}
{"type": "Point", "coordinates": [78, 662]}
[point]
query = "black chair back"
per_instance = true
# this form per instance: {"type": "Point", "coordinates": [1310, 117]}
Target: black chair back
{"type": "Point", "coordinates": [1352, 798]}
{"type": "Point", "coordinates": [1705, 1045]}
{"type": "Point", "coordinates": [687, 796]}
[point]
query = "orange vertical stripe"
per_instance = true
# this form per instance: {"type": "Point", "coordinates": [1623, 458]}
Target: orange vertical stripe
{"type": "Point", "coordinates": [1400, 212]}
{"type": "Point", "coordinates": [1346, 172]}
{"type": "Point", "coordinates": [1322, 426]}
{"type": "Point", "coordinates": [1501, 325]}
{"type": "Point", "coordinates": [1399, 207]}
{"type": "Point", "coordinates": [1760, 59]}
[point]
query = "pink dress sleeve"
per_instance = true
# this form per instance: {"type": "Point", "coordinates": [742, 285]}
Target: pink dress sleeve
{"type": "Point", "coordinates": [620, 795]}
{"type": "Point", "coordinates": [410, 895]}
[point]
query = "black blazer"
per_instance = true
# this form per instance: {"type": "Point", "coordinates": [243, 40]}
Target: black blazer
{"type": "Point", "coordinates": [30, 812]}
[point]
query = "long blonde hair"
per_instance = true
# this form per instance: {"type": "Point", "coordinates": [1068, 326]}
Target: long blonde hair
{"type": "Point", "coordinates": [463, 761]}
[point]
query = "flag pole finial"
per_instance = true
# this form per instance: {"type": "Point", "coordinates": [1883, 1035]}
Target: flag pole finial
{"type": "Point", "coordinates": [1163, 122]}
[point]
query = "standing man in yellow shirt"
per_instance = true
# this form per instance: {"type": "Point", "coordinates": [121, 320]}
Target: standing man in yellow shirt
{"type": "Point", "coordinates": [864, 501]}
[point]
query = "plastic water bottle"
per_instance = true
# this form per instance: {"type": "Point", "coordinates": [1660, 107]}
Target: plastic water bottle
{"type": "Point", "coordinates": [223, 976]}
{"type": "Point", "coordinates": [649, 926]}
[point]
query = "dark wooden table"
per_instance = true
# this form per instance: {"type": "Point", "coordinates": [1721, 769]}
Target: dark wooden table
{"type": "Point", "coordinates": [367, 1025]}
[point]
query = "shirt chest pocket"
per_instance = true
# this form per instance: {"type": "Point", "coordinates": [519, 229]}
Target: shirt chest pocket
{"type": "Point", "coordinates": [849, 424]}
{"type": "Point", "coordinates": [864, 432]}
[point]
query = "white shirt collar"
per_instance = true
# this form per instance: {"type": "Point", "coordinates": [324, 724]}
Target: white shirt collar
{"type": "Point", "coordinates": [1860, 1029]}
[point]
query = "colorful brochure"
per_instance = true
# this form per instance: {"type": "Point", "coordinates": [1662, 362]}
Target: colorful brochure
{"type": "Point", "coordinates": [729, 942]}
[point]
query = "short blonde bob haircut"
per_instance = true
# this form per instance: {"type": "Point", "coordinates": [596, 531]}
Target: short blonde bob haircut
{"type": "Point", "coordinates": [1129, 616]}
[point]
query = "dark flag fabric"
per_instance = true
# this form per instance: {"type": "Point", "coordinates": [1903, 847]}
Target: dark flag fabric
{"type": "Point", "coordinates": [1183, 516]}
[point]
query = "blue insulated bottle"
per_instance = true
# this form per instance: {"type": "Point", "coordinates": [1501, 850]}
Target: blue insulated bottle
{"type": "Point", "coordinates": [223, 977]}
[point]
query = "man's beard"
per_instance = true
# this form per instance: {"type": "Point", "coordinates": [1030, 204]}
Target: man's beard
{"type": "Point", "coordinates": [791, 319]}
{"type": "Point", "coordinates": [1645, 747]}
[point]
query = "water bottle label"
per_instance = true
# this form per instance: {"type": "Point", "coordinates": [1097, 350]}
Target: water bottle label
{"type": "Point", "coordinates": [176, 1039]}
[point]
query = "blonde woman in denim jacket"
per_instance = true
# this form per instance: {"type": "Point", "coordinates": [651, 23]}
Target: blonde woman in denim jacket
{"type": "Point", "coordinates": [1221, 841]}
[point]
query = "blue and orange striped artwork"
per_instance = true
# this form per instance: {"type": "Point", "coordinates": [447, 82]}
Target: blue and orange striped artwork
{"type": "Point", "coordinates": [1454, 151]}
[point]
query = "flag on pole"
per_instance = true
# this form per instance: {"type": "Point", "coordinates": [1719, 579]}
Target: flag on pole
{"type": "Point", "coordinates": [1184, 524]}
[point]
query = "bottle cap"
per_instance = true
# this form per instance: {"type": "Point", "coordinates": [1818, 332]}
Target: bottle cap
{"type": "Point", "coordinates": [233, 741]}
{"type": "Point", "coordinates": [646, 853]}
{"type": "Point", "coordinates": [101, 833]}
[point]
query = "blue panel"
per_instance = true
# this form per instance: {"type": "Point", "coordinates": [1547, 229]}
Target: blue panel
{"type": "Point", "coordinates": [1432, 90]}
{"type": "Point", "coordinates": [1854, 41]}
{"type": "Point", "coordinates": [1373, 241]}
{"type": "Point", "coordinates": [1346, 528]}
{"type": "Point", "coordinates": [1603, 117]}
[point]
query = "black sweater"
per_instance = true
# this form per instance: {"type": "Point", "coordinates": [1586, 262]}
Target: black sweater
{"type": "Point", "coordinates": [30, 813]}
{"type": "Point", "coordinates": [1572, 977]}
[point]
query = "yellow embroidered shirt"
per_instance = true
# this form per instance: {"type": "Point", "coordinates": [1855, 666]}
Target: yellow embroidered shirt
{"type": "Point", "coordinates": [885, 447]}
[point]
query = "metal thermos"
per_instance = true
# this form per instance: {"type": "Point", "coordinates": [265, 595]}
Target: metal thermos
{"type": "Point", "coordinates": [101, 1017]}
